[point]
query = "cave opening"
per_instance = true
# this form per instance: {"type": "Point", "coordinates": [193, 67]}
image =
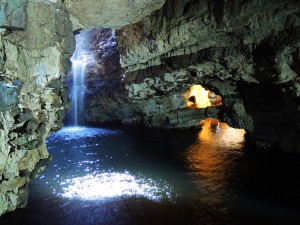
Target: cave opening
{"type": "Point", "coordinates": [198, 97]}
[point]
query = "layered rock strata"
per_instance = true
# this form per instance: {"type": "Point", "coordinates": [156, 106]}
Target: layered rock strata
{"type": "Point", "coordinates": [245, 51]}
{"type": "Point", "coordinates": [36, 42]}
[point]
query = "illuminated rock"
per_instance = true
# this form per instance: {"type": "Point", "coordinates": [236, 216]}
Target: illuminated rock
{"type": "Point", "coordinates": [198, 97]}
{"type": "Point", "coordinates": [219, 46]}
{"type": "Point", "coordinates": [104, 13]}
{"type": "Point", "coordinates": [244, 51]}
{"type": "Point", "coordinates": [34, 62]}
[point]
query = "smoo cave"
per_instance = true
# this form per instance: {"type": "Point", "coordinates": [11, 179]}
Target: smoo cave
{"type": "Point", "coordinates": [149, 112]}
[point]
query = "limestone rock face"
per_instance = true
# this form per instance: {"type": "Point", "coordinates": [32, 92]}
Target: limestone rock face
{"type": "Point", "coordinates": [245, 51]}
{"type": "Point", "coordinates": [106, 97]}
{"type": "Point", "coordinates": [109, 13]}
{"type": "Point", "coordinates": [13, 14]}
{"type": "Point", "coordinates": [34, 59]}
{"type": "Point", "coordinates": [248, 52]}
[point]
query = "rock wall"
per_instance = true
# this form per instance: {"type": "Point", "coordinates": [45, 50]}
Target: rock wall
{"type": "Point", "coordinates": [245, 51]}
{"type": "Point", "coordinates": [36, 42]}
{"type": "Point", "coordinates": [109, 13]}
{"type": "Point", "coordinates": [106, 97]}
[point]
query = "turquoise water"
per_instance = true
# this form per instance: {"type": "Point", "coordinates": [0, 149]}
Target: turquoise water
{"type": "Point", "coordinates": [121, 175]}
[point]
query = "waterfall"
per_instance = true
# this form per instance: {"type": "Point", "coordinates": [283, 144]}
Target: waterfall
{"type": "Point", "coordinates": [80, 60]}
{"type": "Point", "coordinates": [78, 89]}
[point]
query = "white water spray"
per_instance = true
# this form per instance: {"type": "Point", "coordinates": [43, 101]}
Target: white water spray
{"type": "Point", "coordinates": [80, 59]}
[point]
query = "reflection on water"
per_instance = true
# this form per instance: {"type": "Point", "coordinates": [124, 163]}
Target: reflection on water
{"type": "Point", "coordinates": [217, 135]}
{"type": "Point", "coordinates": [212, 158]}
{"type": "Point", "coordinates": [149, 177]}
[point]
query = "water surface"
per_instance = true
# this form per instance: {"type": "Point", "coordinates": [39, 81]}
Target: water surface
{"type": "Point", "coordinates": [140, 176]}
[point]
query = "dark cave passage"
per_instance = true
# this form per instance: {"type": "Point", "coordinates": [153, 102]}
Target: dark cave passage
{"type": "Point", "coordinates": [273, 114]}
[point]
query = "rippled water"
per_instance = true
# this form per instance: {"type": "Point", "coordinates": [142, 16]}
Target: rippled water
{"type": "Point", "coordinates": [135, 176]}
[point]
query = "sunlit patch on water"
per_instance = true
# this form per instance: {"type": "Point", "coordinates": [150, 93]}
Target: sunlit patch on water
{"type": "Point", "coordinates": [83, 132]}
{"type": "Point", "coordinates": [113, 185]}
{"type": "Point", "coordinates": [85, 168]}
{"type": "Point", "coordinates": [76, 133]}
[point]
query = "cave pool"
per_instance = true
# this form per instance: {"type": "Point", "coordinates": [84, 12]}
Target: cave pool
{"type": "Point", "coordinates": [134, 176]}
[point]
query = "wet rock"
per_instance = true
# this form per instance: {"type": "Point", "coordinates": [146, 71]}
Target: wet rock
{"type": "Point", "coordinates": [34, 61]}
{"type": "Point", "coordinates": [17, 182]}
{"type": "Point", "coordinates": [26, 115]}
{"type": "Point", "coordinates": [31, 126]}
{"type": "Point", "coordinates": [42, 129]}
{"type": "Point", "coordinates": [13, 14]}
{"type": "Point", "coordinates": [9, 95]}
{"type": "Point", "coordinates": [234, 48]}
{"type": "Point", "coordinates": [2, 162]}
{"type": "Point", "coordinates": [223, 48]}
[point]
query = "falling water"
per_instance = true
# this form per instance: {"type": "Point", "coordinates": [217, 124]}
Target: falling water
{"type": "Point", "coordinates": [80, 60]}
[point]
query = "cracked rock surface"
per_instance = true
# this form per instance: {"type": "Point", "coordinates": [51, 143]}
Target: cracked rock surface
{"type": "Point", "coordinates": [248, 52]}
{"type": "Point", "coordinates": [33, 100]}
{"type": "Point", "coordinates": [245, 51]}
